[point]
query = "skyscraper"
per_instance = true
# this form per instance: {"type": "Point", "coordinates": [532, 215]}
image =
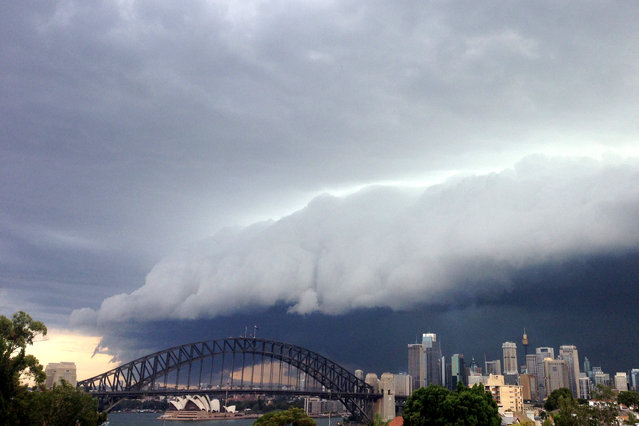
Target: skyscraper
{"type": "Point", "coordinates": [509, 350]}
{"type": "Point", "coordinates": [556, 374]}
{"type": "Point", "coordinates": [540, 355]}
{"type": "Point", "coordinates": [458, 370]}
{"type": "Point", "coordinates": [432, 355]}
{"type": "Point", "coordinates": [570, 355]}
{"type": "Point", "coordinates": [415, 361]}
{"type": "Point", "coordinates": [492, 367]}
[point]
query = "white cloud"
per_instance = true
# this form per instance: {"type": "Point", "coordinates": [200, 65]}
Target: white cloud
{"type": "Point", "coordinates": [386, 247]}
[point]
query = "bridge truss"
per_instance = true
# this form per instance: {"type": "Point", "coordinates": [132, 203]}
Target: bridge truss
{"type": "Point", "coordinates": [235, 365]}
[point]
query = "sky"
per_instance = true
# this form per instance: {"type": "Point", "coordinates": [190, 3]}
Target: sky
{"type": "Point", "coordinates": [345, 175]}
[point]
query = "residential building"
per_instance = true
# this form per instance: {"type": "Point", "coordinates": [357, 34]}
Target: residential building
{"type": "Point", "coordinates": [508, 397]}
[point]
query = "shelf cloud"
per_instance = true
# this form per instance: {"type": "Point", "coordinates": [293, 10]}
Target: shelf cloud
{"type": "Point", "coordinates": [392, 247]}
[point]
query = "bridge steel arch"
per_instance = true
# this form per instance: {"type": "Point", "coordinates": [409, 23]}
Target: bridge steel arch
{"type": "Point", "coordinates": [140, 376]}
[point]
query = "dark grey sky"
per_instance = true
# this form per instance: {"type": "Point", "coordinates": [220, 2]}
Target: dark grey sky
{"type": "Point", "coordinates": [145, 146]}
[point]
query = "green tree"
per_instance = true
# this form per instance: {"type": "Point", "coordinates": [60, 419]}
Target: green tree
{"type": "Point", "coordinates": [15, 334]}
{"type": "Point", "coordinates": [62, 405]}
{"type": "Point", "coordinates": [553, 400]}
{"type": "Point", "coordinates": [435, 405]}
{"type": "Point", "coordinates": [570, 413]}
{"type": "Point", "coordinates": [629, 399]}
{"type": "Point", "coordinates": [293, 416]}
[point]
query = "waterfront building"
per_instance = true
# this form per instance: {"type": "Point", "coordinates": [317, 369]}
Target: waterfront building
{"type": "Point", "coordinates": [359, 374]}
{"type": "Point", "coordinates": [509, 351]}
{"type": "Point", "coordinates": [569, 354]}
{"type": "Point", "coordinates": [58, 371]}
{"type": "Point", "coordinates": [402, 384]}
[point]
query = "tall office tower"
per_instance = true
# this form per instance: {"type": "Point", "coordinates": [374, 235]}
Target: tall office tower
{"type": "Point", "coordinates": [58, 371]}
{"type": "Point", "coordinates": [531, 364]}
{"type": "Point", "coordinates": [621, 381]}
{"type": "Point", "coordinates": [492, 367]}
{"type": "Point", "coordinates": [556, 375]}
{"type": "Point", "coordinates": [446, 374]}
{"type": "Point", "coordinates": [402, 384]}
{"type": "Point", "coordinates": [584, 387]}
{"type": "Point", "coordinates": [570, 355]}
{"type": "Point", "coordinates": [415, 361]}
{"type": "Point", "coordinates": [528, 386]}
{"type": "Point", "coordinates": [540, 355]}
{"type": "Point", "coordinates": [634, 379]}
{"type": "Point", "coordinates": [457, 370]}
{"type": "Point", "coordinates": [587, 367]}
{"type": "Point", "coordinates": [509, 350]}
{"type": "Point", "coordinates": [432, 360]}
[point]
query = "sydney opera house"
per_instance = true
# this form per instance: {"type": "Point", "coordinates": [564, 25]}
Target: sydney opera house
{"type": "Point", "coordinates": [197, 407]}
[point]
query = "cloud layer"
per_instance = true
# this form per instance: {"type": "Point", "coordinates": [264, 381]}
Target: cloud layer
{"type": "Point", "coordinates": [391, 247]}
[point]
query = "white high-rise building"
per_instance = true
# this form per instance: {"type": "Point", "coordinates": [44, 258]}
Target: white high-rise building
{"type": "Point", "coordinates": [58, 371]}
{"type": "Point", "coordinates": [509, 350]}
{"type": "Point", "coordinates": [569, 354]}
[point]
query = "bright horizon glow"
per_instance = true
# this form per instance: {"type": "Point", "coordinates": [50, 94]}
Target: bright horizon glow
{"type": "Point", "coordinates": [61, 345]}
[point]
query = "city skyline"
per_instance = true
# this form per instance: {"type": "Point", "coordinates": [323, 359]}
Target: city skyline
{"type": "Point", "coordinates": [342, 174]}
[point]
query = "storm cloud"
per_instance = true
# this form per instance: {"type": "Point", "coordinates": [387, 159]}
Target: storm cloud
{"type": "Point", "coordinates": [386, 247]}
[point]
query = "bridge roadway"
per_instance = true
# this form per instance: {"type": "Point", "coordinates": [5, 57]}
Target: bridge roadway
{"type": "Point", "coordinates": [238, 366]}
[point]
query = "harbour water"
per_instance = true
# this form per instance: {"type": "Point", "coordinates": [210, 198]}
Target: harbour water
{"type": "Point", "coordinates": [147, 419]}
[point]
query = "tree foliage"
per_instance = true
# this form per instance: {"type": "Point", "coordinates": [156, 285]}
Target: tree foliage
{"type": "Point", "coordinates": [629, 398]}
{"type": "Point", "coordinates": [556, 396]}
{"type": "Point", "coordinates": [15, 334]}
{"type": "Point", "coordinates": [62, 405]}
{"type": "Point", "coordinates": [571, 413]}
{"type": "Point", "coordinates": [293, 416]}
{"type": "Point", "coordinates": [435, 405]}
{"type": "Point", "coordinates": [59, 406]}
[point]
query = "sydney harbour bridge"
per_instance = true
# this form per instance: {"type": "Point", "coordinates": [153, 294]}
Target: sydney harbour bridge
{"type": "Point", "coordinates": [235, 366]}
